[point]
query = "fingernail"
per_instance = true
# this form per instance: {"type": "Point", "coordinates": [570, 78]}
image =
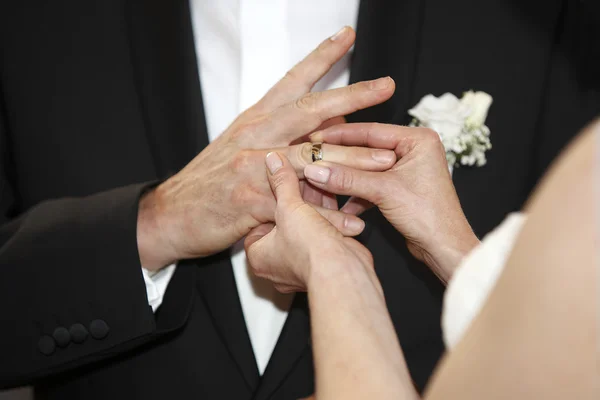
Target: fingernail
{"type": "Point", "coordinates": [383, 156]}
{"type": "Point", "coordinates": [354, 224]}
{"type": "Point", "coordinates": [317, 173]}
{"type": "Point", "coordinates": [273, 162]}
{"type": "Point", "coordinates": [380, 84]}
{"type": "Point", "coordinates": [339, 34]}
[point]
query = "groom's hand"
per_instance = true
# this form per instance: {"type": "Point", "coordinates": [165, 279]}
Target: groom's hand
{"type": "Point", "coordinates": [223, 193]}
{"type": "Point", "coordinates": [416, 195]}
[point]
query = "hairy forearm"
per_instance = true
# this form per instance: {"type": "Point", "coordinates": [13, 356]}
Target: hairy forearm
{"type": "Point", "coordinates": [356, 350]}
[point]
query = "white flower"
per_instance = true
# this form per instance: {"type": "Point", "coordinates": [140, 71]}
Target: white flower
{"type": "Point", "coordinates": [459, 123]}
{"type": "Point", "coordinates": [478, 104]}
{"type": "Point", "coordinates": [446, 114]}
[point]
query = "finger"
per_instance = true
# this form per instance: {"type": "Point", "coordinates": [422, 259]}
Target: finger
{"type": "Point", "coordinates": [308, 112]}
{"type": "Point", "coordinates": [284, 288]}
{"type": "Point", "coordinates": [318, 197]}
{"type": "Point", "coordinates": [257, 233]}
{"type": "Point", "coordinates": [311, 194]}
{"type": "Point", "coordinates": [340, 179]}
{"type": "Point", "coordinates": [347, 224]}
{"type": "Point", "coordinates": [331, 122]}
{"type": "Point", "coordinates": [260, 248]}
{"type": "Point", "coordinates": [324, 125]}
{"type": "Point", "coordinates": [329, 201]}
{"type": "Point", "coordinates": [302, 77]}
{"type": "Point", "coordinates": [283, 179]}
{"type": "Point", "coordinates": [374, 135]}
{"type": "Point", "coordinates": [356, 206]}
{"type": "Point", "coordinates": [356, 157]}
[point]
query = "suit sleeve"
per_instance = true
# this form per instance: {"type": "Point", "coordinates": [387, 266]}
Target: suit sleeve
{"type": "Point", "coordinates": [572, 96]}
{"type": "Point", "coordinates": [71, 284]}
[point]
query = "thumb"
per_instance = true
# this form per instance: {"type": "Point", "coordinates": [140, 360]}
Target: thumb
{"type": "Point", "coordinates": [256, 234]}
{"type": "Point", "coordinates": [260, 249]}
{"type": "Point", "coordinates": [283, 179]}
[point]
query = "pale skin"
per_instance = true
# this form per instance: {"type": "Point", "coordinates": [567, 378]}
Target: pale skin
{"type": "Point", "coordinates": [536, 337]}
{"type": "Point", "coordinates": [292, 254]}
{"type": "Point", "coordinates": [223, 193]}
{"type": "Point", "coordinates": [416, 195]}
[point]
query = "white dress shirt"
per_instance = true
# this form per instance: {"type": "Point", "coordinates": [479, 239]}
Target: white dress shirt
{"type": "Point", "coordinates": [244, 47]}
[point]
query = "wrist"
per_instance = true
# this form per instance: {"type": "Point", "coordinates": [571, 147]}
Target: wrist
{"type": "Point", "coordinates": [155, 249]}
{"type": "Point", "coordinates": [443, 257]}
{"type": "Point", "coordinates": [325, 267]}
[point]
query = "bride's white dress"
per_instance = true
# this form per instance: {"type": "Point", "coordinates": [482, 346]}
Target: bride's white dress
{"type": "Point", "coordinates": [475, 278]}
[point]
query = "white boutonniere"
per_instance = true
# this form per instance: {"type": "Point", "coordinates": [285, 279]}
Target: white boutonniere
{"type": "Point", "coordinates": [460, 124]}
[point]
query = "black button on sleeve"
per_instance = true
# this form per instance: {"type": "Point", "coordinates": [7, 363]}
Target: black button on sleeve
{"type": "Point", "coordinates": [61, 336]}
{"type": "Point", "coordinates": [78, 333]}
{"type": "Point", "coordinates": [99, 329]}
{"type": "Point", "coordinates": [46, 345]}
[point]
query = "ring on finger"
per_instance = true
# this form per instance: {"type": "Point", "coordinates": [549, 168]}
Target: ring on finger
{"type": "Point", "coordinates": [316, 152]}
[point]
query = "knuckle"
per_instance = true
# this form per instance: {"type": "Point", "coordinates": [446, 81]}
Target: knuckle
{"type": "Point", "coordinates": [356, 87]}
{"type": "Point", "coordinates": [354, 95]}
{"type": "Point", "coordinates": [432, 139]}
{"type": "Point", "coordinates": [383, 190]}
{"type": "Point", "coordinates": [343, 180]}
{"type": "Point", "coordinates": [256, 267]}
{"type": "Point", "coordinates": [378, 196]}
{"type": "Point", "coordinates": [307, 102]}
{"type": "Point", "coordinates": [279, 178]}
{"type": "Point", "coordinates": [303, 156]}
{"type": "Point", "coordinates": [243, 195]}
{"type": "Point", "coordinates": [241, 160]}
{"type": "Point", "coordinates": [430, 135]}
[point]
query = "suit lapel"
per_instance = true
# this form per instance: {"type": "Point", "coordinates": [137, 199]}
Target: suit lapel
{"type": "Point", "coordinates": [165, 65]}
{"type": "Point", "coordinates": [388, 37]}
{"type": "Point", "coordinates": [217, 288]}
{"type": "Point", "coordinates": [163, 54]}
{"type": "Point", "coordinates": [454, 32]}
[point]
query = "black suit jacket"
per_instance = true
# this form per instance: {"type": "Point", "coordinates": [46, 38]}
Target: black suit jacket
{"type": "Point", "coordinates": [101, 99]}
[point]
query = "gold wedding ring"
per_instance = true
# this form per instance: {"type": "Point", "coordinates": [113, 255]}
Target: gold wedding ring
{"type": "Point", "coordinates": [316, 152]}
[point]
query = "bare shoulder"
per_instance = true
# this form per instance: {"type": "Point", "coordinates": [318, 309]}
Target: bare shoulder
{"type": "Point", "coordinates": [537, 336]}
{"type": "Point", "coordinates": [574, 172]}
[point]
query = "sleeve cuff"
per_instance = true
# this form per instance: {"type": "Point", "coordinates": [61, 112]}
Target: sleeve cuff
{"type": "Point", "coordinates": [156, 284]}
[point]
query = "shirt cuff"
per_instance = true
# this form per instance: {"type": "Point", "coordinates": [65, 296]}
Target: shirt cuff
{"type": "Point", "coordinates": [156, 284]}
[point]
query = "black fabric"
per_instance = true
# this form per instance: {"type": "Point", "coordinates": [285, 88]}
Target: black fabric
{"type": "Point", "coordinates": [101, 99]}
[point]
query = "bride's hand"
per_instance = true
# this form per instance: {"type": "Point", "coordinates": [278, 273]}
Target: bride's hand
{"type": "Point", "coordinates": [416, 195]}
{"type": "Point", "coordinates": [303, 242]}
